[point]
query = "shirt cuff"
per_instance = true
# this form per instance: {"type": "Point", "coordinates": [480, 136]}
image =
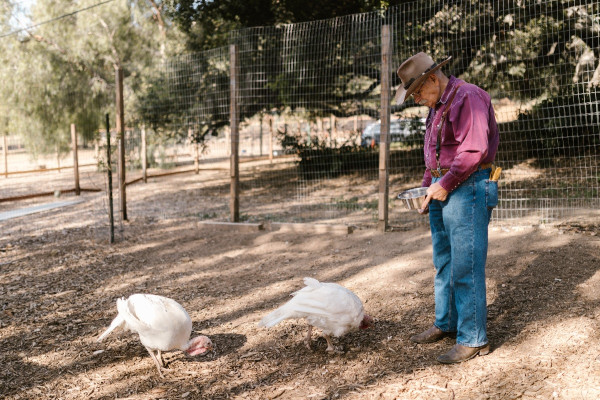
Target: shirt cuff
{"type": "Point", "coordinates": [426, 182]}
{"type": "Point", "coordinates": [449, 181]}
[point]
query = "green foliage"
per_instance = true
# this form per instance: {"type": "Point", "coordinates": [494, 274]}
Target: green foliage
{"type": "Point", "coordinates": [562, 126]}
{"type": "Point", "coordinates": [63, 72]}
{"type": "Point", "coordinates": [319, 160]}
{"type": "Point", "coordinates": [177, 108]}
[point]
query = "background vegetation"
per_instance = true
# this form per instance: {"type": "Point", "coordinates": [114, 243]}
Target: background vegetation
{"type": "Point", "coordinates": [63, 72]}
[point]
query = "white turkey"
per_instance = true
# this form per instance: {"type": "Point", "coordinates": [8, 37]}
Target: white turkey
{"type": "Point", "coordinates": [328, 306]}
{"type": "Point", "coordinates": [162, 324]}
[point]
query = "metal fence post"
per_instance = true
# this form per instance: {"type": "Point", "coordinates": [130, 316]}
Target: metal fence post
{"type": "Point", "coordinates": [75, 159]}
{"type": "Point", "coordinates": [121, 136]}
{"type": "Point", "coordinates": [384, 142]}
{"type": "Point", "coordinates": [234, 206]}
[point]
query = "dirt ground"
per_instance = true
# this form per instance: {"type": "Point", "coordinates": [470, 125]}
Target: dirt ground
{"type": "Point", "coordinates": [59, 279]}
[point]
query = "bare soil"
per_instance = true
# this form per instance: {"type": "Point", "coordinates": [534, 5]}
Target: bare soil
{"type": "Point", "coordinates": [59, 279]}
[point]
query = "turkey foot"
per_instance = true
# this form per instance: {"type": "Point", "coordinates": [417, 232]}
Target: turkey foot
{"type": "Point", "coordinates": [330, 347]}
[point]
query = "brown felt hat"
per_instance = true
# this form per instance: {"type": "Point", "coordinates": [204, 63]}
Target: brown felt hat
{"type": "Point", "coordinates": [413, 72]}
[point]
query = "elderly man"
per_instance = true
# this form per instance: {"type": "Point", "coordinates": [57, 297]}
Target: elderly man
{"type": "Point", "coordinates": [460, 145]}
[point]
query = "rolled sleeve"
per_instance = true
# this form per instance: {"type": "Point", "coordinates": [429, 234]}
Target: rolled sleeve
{"type": "Point", "coordinates": [470, 123]}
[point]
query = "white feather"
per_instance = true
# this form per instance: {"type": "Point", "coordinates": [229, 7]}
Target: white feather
{"type": "Point", "coordinates": [161, 323]}
{"type": "Point", "coordinates": [328, 306]}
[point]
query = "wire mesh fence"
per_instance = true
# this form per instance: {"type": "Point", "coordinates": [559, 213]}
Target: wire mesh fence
{"type": "Point", "coordinates": [310, 113]}
{"type": "Point", "coordinates": [538, 61]}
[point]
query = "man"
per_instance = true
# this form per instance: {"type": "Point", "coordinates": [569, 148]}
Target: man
{"type": "Point", "coordinates": [461, 140]}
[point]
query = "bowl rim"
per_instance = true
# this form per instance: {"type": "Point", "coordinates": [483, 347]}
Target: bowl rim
{"type": "Point", "coordinates": [413, 193]}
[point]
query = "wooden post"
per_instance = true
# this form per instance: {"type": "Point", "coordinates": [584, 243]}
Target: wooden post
{"type": "Point", "coordinates": [196, 152]}
{"type": "Point", "coordinates": [144, 156]}
{"type": "Point", "coordinates": [271, 139]}
{"type": "Point", "coordinates": [384, 143]}
{"type": "Point", "coordinates": [58, 157]}
{"type": "Point", "coordinates": [197, 157]}
{"type": "Point", "coordinates": [234, 205]}
{"type": "Point", "coordinates": [320, 127]}
{"type": "Point", "coordinates": [261, 134]}
{"type": "Point", "coordinates": [121, 137]}
{"type": "Point", "coordinates": [5, 147]}
{"type": "Point", "coordinates": [111, 219]}
{"type": "Point", "coordinates": [75, 159]}
{"type": "Point", "coordinates": [333, 129]}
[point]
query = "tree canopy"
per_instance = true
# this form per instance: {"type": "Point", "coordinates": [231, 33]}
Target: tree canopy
{"type": "Point", "coordinates": [176, 63]}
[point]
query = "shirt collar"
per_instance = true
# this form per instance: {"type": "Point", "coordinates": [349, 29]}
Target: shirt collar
{"type": "Point", "coordinates": [449, 89]}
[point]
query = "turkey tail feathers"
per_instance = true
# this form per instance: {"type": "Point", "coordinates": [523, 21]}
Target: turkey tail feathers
{"type": "Point", "coordinates": [312, 282]}
{"type": "Point", "coordinates": [113, 325]}
{"type": "Point", "coordinates": [273, 318]}
{"type": "Point", "coordinates": [118, 321]}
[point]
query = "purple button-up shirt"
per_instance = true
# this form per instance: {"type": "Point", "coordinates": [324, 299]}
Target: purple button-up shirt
{"type": "Point", "coordinates": [470, 136]}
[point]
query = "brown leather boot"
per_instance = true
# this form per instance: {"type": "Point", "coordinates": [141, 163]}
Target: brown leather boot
{"type": "Point", "coordinates": [431, 335]}
{"type": "Point", "coordinates": [460, 353]}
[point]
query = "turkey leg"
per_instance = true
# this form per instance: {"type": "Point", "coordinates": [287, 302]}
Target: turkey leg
{"type": "Point", "coordinates": [156, 362]}
{"type": "Point", "coordinates": [308, 337]}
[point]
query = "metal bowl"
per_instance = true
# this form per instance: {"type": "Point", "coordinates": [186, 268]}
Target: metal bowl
{"type": "Point", "coordinates": [413, 198]}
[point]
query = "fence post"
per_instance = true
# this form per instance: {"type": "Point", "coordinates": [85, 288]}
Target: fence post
{"type": "Point", "coordinates": [75, 159]}
{"type": "Point", "coordinates": [144, 156]}
{"type": "Point", "coordinates": [333, 129]}
{"type": "Point", "coordinates": [197, 157]}
{"type": "Point", "coordinates": [384, 142]}
{"type": "Point", "coordinates": [121, 136]}
{"type": "Point", "coordinates": [196, 152]}
{"type": "Point", "coordinates": [271, 139]}
{"type": "Point", "coordinates": [234, 136]}
{"type": "Point", "coordinates": [5, 148]}
{"type": "Point", "coordinates": [261, 134]}
{"type": "Point", "coordinates": [58, 157]}
{"type": "Point", "coordinates": [111, 219]}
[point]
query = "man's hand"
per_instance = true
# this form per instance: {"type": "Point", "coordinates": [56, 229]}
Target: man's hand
{"type": "Point", "coordinates": [436, 192]}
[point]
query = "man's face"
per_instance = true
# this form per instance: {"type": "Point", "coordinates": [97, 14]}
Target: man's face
{"type": "Point", "coordinates": [429, 92]}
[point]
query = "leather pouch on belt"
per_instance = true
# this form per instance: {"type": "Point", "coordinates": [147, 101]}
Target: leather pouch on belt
{"type": "Point", "coordinates": [491, 187]}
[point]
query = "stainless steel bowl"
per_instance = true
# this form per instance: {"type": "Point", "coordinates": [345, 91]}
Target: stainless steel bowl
{"type": "Point", "coordinates": [413, 198]}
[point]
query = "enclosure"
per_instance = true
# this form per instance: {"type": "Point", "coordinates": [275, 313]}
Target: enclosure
{"type": "Point", "coordinates": [293, 108]}
{"type": "Point", "coordinates": [272, 131]}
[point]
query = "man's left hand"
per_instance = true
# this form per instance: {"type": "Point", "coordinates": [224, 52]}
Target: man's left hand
{"type": "Point", "coordinates": [435, 192]}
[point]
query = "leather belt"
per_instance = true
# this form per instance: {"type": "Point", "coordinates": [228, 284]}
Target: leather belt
{"type": "Point", "coordinates": [438, 174]}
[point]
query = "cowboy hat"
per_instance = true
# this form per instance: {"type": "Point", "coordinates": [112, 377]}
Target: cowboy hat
{"type": "Point", "coordinates": [413, 72]}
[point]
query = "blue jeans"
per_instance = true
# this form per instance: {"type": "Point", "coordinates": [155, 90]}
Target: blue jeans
{"type": "Point", "coordinates": [459, 232]}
